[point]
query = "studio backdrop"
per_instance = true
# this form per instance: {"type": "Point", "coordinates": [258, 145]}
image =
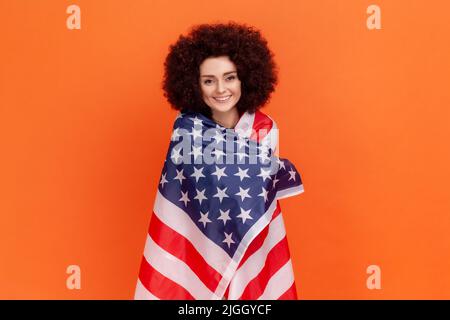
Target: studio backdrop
{"type": "Point", "coordinates": [362, 105]}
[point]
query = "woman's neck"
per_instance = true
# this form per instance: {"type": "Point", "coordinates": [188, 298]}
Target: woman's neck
{"type": "Point", "coordinates": [227, 119]}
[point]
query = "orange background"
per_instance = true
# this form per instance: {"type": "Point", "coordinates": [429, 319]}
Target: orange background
{"type": "Point", "coordinates": [363, 114]}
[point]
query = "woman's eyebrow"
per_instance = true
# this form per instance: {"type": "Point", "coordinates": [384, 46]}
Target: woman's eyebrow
{"type": "Point", "coordinates": [209, 75]}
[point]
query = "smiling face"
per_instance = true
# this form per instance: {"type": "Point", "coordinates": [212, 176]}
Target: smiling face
{"type": "Point", "coordinates": [219, 83]}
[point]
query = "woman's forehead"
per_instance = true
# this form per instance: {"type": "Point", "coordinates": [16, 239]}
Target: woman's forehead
{"type": "Point", "coordinates": [217, 66]}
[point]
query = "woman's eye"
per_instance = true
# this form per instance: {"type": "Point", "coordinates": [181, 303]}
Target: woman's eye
{"type": "Point", "coordinates": [210, 81]}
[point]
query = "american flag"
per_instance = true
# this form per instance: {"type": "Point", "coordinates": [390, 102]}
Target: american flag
{"type": "Point", "coordinates": [217, 231]}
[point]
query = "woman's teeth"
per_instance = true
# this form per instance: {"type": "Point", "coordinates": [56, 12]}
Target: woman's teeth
{"type": "Point", "coordinates": [222, 99]}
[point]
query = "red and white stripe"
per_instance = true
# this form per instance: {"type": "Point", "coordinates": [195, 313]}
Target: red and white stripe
{"type": "Point", "coordinates": [181, 263]}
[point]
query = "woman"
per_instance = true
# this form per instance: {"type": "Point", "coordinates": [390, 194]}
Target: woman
{"type": "Point", "coordinates": [217, 230]}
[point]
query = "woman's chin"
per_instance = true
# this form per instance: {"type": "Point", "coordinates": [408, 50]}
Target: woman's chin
{"type": "Point", "coordinates": [222, 108]}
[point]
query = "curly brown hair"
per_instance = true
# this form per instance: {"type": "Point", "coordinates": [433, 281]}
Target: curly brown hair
{"type": "Point", "coordinates": [245, 47]}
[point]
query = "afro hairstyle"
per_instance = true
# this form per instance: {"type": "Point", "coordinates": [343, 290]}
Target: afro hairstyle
{"type": "Point", "coordinates": [244, 46]}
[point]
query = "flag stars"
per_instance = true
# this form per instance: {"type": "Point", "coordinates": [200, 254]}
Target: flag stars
{"type": "Point", "coordinates": [221, 194]}
{"type": "Point", "coordinates": [228, 239]}
{"type": "Point", "coordinates": [281, 163]}
{"type": "Point", "coordinates": [243, 193]}
{"type": "Point", "coordinates": [244, 215]}
{"type": "Point", "coordinates": [238, 193]}
{"type": "Point", "coordinates": [241, 142]}
{"type": "Point", "coordinates": [275, 182]}
{"type": "Point", "coordinates": [219, 173]}
{"type": "Point", "coordinates": [242, 173]}
{"type": "Point", "coordinates": [263, 153]}
{"type": "Point", "coordinates": [218, 153]}
{"type": "Point", "coordinates": [197, 121]}
{"type": "Point", "coordinates": [184, 198]}
{"type": "Point", "coordinates": [241, 155]}
{"type": "Point", "coordinates": [196, 151]}
{"type": "Point", "coordinates": [176, 155]}
{"type": "Point", "coordinates": [264, 194]}
{"type": "Point", "coordinates": [264, 157]}
{"type": "Point", "coordinates": [200, 195]}
{"type": "Point", "coordinates": [196, 133]}
{"type": "Point", "coordinates": [175, 134]}
{"type": "Point", "coordinates": [264, 174]}
{"type": "Point", "coordinates": [198, 173]}
{"type": "Point", "coordinates": [224, 216]}
{"type": "Point", "coordinates": [180, 175]}
{"type": "Point", "coordinates": [292, 174]}
{"type": "Point", "coordinates": [163, 180]}
{"type": "Point", "coordinates": [263, 149]}
{"type": "Point", "coordinates": [204, 218]}
{"type": "Point", "coordinates": [218, 137]}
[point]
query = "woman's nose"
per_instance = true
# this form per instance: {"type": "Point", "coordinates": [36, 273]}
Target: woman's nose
{"type": "Point", "coordinates": [220, 86]}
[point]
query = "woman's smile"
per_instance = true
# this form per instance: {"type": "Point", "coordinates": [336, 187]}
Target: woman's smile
{"type": "Point", "coordinates": [222, 99]}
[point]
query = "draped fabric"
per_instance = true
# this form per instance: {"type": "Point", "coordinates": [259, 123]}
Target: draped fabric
{"type": "Point", "coordinates": [217, 230]}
